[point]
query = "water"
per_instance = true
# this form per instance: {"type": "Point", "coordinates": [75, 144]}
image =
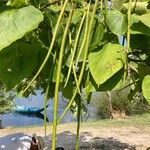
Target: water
{"type": "Point", "coordinates": [17, 119]}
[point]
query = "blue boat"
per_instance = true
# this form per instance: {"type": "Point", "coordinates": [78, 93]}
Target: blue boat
{"type": "Point", "coordinates": [28, 109]}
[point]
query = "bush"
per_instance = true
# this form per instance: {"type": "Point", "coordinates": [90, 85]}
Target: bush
{"type": "Point", "coordinates": [120, 104]}
{"type": "Point", "coordinates": [101, 103]}
{"type": "Point", "coordinates": [6, 100]}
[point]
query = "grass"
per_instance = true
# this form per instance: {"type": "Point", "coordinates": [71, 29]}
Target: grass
{"type": "Point", "coordinates": [141, 122]}
{"type": "Point", "coordinates": [136, 120]}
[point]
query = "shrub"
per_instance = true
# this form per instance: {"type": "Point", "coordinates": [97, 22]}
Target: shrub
{"type": "Point", "coordinates": [6, 100]}
{"type": "Point", "coordinates": [120, 104]}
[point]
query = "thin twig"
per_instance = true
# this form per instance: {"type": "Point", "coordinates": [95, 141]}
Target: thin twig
{"type": "Point", "coordinates": [48, 4]}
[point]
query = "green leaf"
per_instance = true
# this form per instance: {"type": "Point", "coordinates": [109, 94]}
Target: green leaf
{"type": "Point", "coordinates": [117, 22]}
{"type": "Point", "coordinates": [118, 4]}
{"type": "Point", "coordinates": [95, 37]}
{"type": "Point", "coordinates": [106, 62]}
{"type": "Point", "coordinates": [143, 70]}
{"type": "Point", "coordinates": [68, 90]}
{"type": "Point", "coordinates": [145, 19]}
{"type": "Point", "coordinates": [17, 62]}
{"type": "Point", "coordinates": [76, 16]}
{"type": "Point", "coordinates": [140, 42]}
{"type": "Point", "coordinates": [140, 28]}
{"type": "Point", "coordinates": [146, 88]}
{"type": "Point", "coordinates": [134, 19]}
{"type": "Point", "coordinates": [15, 23]}
{"type": "Point", "coordinates": [113, 83]}
{"type": "Point", "coordinates": [98, 33]}
{"type": "Point", "coordinates": [136, 7]}
{"type": "Point", "coordinates": [17, 3]}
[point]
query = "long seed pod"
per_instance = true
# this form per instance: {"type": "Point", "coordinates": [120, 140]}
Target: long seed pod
{"type": "Point", "coordinates": [74, 72]}
{"type": "Point", "coordinates": [126, 70]}
{"type": "Point", "coordinates": [58, 81]}
{"type": "Point", "coordinates": [129, 24]}
{"type": "Point", "coordinates": [84, 59]}
{"type": "Point", "coordinates": [78, 124]}
{"type": "Point", "coordinates": [83, 66]}
{"type": "Point", "coordinates": [75, 77]}
{"type": "Point", "coordinates": [47, 93]}
{"type": "Point", "coordinates": [106, 7]}
{"type": "Point", "coordinates": [75, 47]}
{"type": "Point", "coordinates": [101, 5]}
{"type": "Point", "coordinates": [76, 90]}
{"type": "Point", "coordinates": [51, 46]}
{"type": "Point", "coordinates": [82, 45]}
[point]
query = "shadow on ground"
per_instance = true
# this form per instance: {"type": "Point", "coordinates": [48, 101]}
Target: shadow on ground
{"type": "Point", "coordinates": [88, 142]}
{"type": "Point", "coordinates": [20, 141]}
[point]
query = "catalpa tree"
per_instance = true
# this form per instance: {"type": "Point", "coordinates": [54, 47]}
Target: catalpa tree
{"type": "Point", "coordinates": [76, 47]}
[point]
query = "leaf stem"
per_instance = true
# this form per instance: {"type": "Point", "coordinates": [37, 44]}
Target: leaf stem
{"type": "Point", "coordinates": [47, 93]}
{"type": "Point", "coordinates": [48, 4]}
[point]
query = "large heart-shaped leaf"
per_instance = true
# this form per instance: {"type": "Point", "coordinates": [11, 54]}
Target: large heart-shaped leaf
{"type": "Point", "coordinates": [146, 88]}
{"type": "Point", "coordinates": [117, 22]}
{"type": "Point", "coordinates": [17, 62]}
{"type": "Point", "coordinates": [145, 19]}
{"type": "Point", "coordinates": [15, 23]}
{"type": "Point", "coordinates": [113, 83]}
{"type": "Point", "coordinates": [106, 62]}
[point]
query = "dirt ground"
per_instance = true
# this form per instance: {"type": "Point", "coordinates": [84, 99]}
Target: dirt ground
{"type": "Point", "coordinates": [92, 137]}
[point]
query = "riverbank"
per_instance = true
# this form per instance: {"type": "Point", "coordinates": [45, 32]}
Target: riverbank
{"type": "Point", "coordinates": [132, 133]}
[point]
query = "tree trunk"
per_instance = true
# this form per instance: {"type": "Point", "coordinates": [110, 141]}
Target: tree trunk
{"type": "Point", "coordinates": [110, 104]}
{"type": "Point", "coordinates": [0, 121]}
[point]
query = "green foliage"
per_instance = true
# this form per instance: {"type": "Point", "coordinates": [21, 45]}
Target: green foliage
{"type": "Point", "coordinates": [39, 49]}
{"type": "Point", "coordinates": [101, 105]}
{"type": "Point", "coordinates": [146, 87]}
{"type": "Point", "coordinates": [104, 63]}
{"type": "Point", "coordinates": [136, 7]}
{"type": "Point", "coordinates": [6, 100]}
{"type": "Point", "coordinates": [15, 23]}
{"type": "Point", "coordinates": [14, 59]}
{"type": "Point", "coordinates": [117, 22]}
{"type": "Point", "coordinates": [118, 4]}
{"type": "Point", "coordinates": [144, 19]}
{"type": "Point", "coordinates": [17, 3]}
{"type": "Point", "coordinates": [122, 106]}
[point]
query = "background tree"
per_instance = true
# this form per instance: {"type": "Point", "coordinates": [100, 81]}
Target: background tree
{"type": "Point", "coordinates": [6, 100]}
